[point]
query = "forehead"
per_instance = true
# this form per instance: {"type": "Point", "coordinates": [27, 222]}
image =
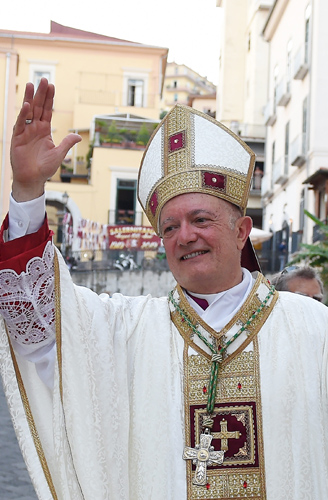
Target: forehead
{"type": "Point", "coordinates": [304, 285]}
{"type": "Point", "coordinates": [189, 202]}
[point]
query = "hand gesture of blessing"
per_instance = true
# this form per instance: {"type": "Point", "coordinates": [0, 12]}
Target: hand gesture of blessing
{"type": "Point", "coordinates": [34, 156]}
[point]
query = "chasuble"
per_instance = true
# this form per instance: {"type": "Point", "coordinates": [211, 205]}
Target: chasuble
{"type": "Point", "coordinates": [124, 419]}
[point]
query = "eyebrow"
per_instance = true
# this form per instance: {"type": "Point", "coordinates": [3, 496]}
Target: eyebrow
{"type": "Point", "coordinates": [191, 213]}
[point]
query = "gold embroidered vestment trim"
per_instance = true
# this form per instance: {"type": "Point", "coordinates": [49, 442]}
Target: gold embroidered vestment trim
{"type": "Point", "coordinates": [237, 411]}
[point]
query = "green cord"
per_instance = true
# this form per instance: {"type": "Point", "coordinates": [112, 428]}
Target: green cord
{"type": "Point", "coordinates": [217, 356]}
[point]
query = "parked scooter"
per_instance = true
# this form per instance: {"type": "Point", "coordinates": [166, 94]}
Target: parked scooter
{"type": "Point", "coordinates": [125, 262]}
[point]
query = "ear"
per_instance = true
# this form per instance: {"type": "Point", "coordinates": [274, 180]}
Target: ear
{"type": "Point", "coordinates": [244, 226]}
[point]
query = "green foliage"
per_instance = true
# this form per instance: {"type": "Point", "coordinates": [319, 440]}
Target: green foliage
{"type": "Point", "coordinates": [316, 255]}
{"type": "Point", "coordinates": [143, 135]}
{"type": "Point", "coordinates": [100, 125]}
{"type": "Point", "coordinates": [113, 134]}
{"type": "Point", "coordinates": [128, 135]}
{"type": "Point", "coordinates": [89, 155]}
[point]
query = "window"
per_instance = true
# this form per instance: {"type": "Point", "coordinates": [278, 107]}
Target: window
{"type": "Point", "coordinates": [321, 205]}
{"type": "Point", "coordinates": [40, 70]}
{"type": "Point", "coordinates": [125, 201]}
{"type": "Point", "coordinates": [135, 88]}
{"type": "Point", "coordinates": [135, 92]}
{"type": "Point", "coordinates": [275, 88]}
{"type": "Point", "coordinates": [273, 157]}
{"type": "Point", "coordinates": [175, 97]}
{"type": "Point", "coordinates": [286, 165]}
{"type": "Point", "coordinates": [305, 127]}
{"type": "Point", "coordinates": [289, 66]}
{"type": "Point", "coordinates": [40, 74]}
{"type": "Point", "coordinates": [302, 206]}
{"type": "Point", "coordinates": [307, 34]}
{"type": "Point", "coordinates": [175, 84]}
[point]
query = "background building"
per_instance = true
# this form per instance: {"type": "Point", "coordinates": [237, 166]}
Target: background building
{"type": "Point", "coordinates": [182, 84]}
{"type": "Point", "coordinates": [242, 87]}
{"type": "Point", "coordinates": [297, 150]}
{"type": "Point", "coordinates": [109, 91]}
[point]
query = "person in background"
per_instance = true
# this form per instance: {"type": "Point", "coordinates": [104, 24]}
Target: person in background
{"type": "Point", "coordinates": [302, 280]}
{"type": "Point", "coordinates": [282, 254]}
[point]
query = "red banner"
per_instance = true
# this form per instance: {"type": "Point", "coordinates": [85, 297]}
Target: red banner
{"type": "Point", "coordinates": [132, 238]}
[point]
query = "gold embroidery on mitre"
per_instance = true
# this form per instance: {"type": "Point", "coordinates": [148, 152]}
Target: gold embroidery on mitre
{"type": "Point", "coordinates": [178, 128]}
{"type": "Point", "coordinates": [182, 181]}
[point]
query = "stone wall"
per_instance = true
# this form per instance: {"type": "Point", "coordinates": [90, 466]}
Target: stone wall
{"type": "Point", "coordinates": [132, 283]}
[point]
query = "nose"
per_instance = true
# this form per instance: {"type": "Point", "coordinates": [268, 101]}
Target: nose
{"type": "Point", "coordinates": [186, 234]}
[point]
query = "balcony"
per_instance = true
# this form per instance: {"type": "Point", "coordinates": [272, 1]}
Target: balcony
{"type": "Point", "coordinates": [266, 188]}
{"type": "Point", "coordinates": [298, 150]}
{"type": "Point", "coordinates": [256, 182]}
{"type": "Point", "coordinates": [123, 131]}
{"type": "Point", "coordinates": [123, 217]}
{"type": "Point", "coordinates": [279, 174]}
{"type": "Point", "coordinates": [301, 63]}
{"type": "Point", "coordinates": [270, 116]}
{"type": "Point", "coordinates": [254, 131]}
{"type": "Point", "coordinates": [283, 93]}
{"type": "Point", "coordinates": [75, 172]}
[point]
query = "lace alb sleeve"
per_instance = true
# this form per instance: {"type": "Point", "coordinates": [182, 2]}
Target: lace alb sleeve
{"type": "Point", "coordinates": [27, 303]}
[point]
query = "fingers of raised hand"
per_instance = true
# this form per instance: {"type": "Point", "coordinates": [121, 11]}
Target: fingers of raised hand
{"type": "Point", "coordinates": [43, 101]}
{"type": "Point", "coordinates": [36, 107]}
{"type": "Point", "coordinates": [23, 118]}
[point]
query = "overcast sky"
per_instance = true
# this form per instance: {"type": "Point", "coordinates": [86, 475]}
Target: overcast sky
{"type": "Point", "coordinates": [188, 28]}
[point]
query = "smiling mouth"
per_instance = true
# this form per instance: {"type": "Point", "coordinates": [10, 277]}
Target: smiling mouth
{"type": "Point", "coordinates": [193, 254]}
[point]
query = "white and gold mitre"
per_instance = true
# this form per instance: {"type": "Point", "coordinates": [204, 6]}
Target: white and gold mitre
{"type": "Point", "coordinates": [191, 152]}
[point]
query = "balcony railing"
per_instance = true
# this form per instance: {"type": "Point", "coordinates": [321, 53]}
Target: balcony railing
{"type": "Point", "coordinates": [256, 182]}
{"type": "Point", "coordinates": [301, 63]}
{"type": "Point", "coordinates": [266, 186]}
{"type": "Point", "coordinates": [278, 172]}
{"type": "Point", "coordinates": [252, 130]}
{"type": "Point", "coordinates": [270, 116]}
{"type": "Point", "coordinates": [298, 150]}
{"type": "Point", "coordinates": [283, 93]}
{"type": "Point", "coordinates": [122, 217]}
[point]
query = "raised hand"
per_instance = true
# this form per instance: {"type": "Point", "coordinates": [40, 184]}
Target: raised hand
{"type": "Point", "coordinates": [34, 156]}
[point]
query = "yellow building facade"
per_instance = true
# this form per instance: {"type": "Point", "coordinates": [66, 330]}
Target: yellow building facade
{"type": "Point", "coordinates": [181, 82]}
{"type": "Point", "coordinates": [99, 80]}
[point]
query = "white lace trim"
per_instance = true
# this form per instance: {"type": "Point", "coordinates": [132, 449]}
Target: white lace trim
{"type": "Point", "coordinates": [27, 300]}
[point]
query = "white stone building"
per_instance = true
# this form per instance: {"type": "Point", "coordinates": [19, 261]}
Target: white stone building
{"type": "Point", "coordinates": [243, 82]}
{"type": "Point", "coordinates": [296, 160]}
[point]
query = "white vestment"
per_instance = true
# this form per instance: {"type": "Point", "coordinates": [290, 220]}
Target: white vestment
{"type": "Point", "coordinates": [120, 431]}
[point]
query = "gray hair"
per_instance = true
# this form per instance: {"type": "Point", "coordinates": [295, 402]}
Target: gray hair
{"type": "Point", "coordinates": [281, 280]}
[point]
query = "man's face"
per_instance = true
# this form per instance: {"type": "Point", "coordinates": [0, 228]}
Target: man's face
{"type": "Point", "coordinates": [304, 286]}
{"type": "Point", "coordinates": [203, 238]}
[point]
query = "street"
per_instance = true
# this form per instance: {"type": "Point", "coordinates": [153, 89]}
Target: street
{"type": "Point", "coordinates": [14, 480]}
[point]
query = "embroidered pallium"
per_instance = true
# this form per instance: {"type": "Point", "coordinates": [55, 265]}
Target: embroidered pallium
{"type": "Point", "coordinates": [224, 448]}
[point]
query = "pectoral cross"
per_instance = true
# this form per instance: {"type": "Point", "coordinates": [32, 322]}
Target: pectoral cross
{"type": "Point", "coordinates": [203, 455]}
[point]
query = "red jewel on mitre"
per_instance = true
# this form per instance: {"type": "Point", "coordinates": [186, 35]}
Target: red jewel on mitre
{"type": "Point", "coordinates": [153, 202]}
{"type": "Point", "coordinates": [213, 180]}
{"type": "Point", "coordinates": [177, 141]}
